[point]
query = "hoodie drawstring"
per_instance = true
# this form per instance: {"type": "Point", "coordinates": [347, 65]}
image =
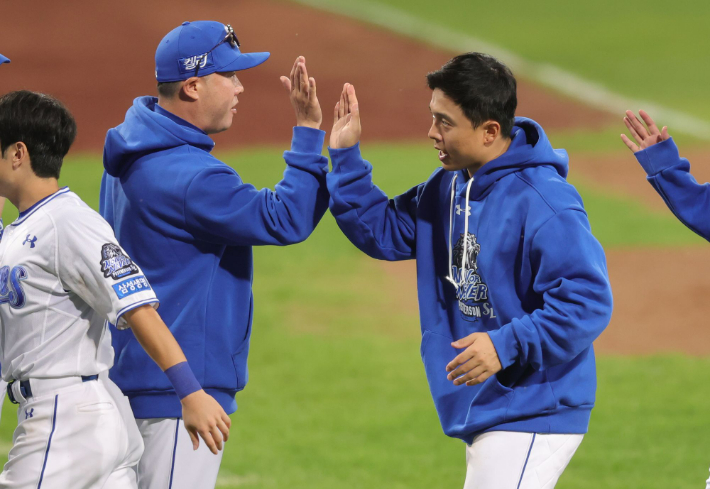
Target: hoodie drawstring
{"type": "Point", "coordinates": [462, 277]}
{"type": "Point", "coordinates": [451, 229]}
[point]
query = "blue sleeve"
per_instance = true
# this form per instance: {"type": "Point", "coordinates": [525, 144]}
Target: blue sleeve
{"type": "Point", "coordinates": [381, 227]}
{"type": "Point", "coordinates": [670, 176]}
{"type": "Point", "coordinates": [571, 278]}
{"type": "Point", "coordinates": [220, 208]}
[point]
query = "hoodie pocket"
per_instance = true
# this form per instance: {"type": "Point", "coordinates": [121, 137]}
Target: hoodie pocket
{"type": "Point", "coordinates": [463, 410]}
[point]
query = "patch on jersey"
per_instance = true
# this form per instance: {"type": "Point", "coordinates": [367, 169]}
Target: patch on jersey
{"type": "Point", "coordinates": [131, 286]}
{"type": "Point", "coordinates": [115, 263]}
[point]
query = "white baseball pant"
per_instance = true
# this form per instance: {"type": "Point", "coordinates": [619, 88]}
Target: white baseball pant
{"type": "Point", "coordinates": [169, 462]}
{"type": "Point", "coordinates": [511, 460]}
{"type": "Point", "coordinates": [74, 434]}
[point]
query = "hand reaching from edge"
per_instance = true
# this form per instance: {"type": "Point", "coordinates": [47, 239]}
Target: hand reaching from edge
{"type": "Point", "coordinates": [643, 136]}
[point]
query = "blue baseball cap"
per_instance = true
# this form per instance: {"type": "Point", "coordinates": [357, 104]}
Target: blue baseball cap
{"type": "Point", "coordinates": [199, 49]}
{"type": "Point", "coordinates": [3, 59]}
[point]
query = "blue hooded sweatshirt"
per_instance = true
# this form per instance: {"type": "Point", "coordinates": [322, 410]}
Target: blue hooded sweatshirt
{"type": "Point", "coordinates": [670, 176]}
{"type": "Point", "coordinates": [508, 252]}
{"type": "Point", "coordinates": [191, 222]}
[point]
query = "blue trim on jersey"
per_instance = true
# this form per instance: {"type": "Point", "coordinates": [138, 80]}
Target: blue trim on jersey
{"type": "Point", "coordinates": [49, 443]}
{"type": "Point", "coordinates": [172, 466]}
{"type": "Point", "coordinates": [133, 306]}
{"type": "Point", "coordinates": [31, 210]}
{"type": "Point", "coordinates": [526, 460]}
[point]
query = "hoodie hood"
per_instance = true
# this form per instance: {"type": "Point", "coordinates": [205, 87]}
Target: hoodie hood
{"type": "Point", "coordinates": [146, 130]}
{"type": "Point", "coordinates": [529, 147]}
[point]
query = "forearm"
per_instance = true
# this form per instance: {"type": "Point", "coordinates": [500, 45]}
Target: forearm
{"type": "Point", "coordinates": [155, 337]}
{"type": "Point", "coordinates": [381, 227]}
{"type": "Point", "coordinates": [669, 174]}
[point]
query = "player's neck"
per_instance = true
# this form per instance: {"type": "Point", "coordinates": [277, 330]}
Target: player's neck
{"type": "Point", "coordinates": [29, 195]}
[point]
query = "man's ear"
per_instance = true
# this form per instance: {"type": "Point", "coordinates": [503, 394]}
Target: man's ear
{"type": "Point", "coordinates": [18, 154]}
{"type": "Point", "coordinates": [491, 131]}
{"type": "Point", "coordinates": [190, 89]}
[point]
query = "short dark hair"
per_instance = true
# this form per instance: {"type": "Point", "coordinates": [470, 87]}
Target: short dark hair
{"type": "Point", "coordinates": [169, 89]}
{"type": "Point", "coordinates": [482, 86]}
{"type": "Point", "coordinates": [43, 124]}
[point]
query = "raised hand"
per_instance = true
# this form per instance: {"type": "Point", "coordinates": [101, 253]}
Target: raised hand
{"type": "Point", "coordinates": [303, 95]}
{"type": "Point", "coordinates": [643, 136]}
{"type": "Point", "coordinates": [204, 416]}
{"type": "Point", "coordinates": [476, 363]}
{"type": "Point", "coordinates": [346, 124]}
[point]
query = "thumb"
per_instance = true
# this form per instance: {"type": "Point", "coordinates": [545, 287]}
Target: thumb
{"type": "Point", "coordinates": [286, 82]}
{"type": "Point", "coordinates": [664, 133]}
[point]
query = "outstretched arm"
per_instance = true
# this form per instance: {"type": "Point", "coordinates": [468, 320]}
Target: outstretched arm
{"type": "Point", "coordinates": [220, 207]}
{"type": "Point", "coordinates": [381, 227]}
{"type": "Point", "coordinates": [668, 173]}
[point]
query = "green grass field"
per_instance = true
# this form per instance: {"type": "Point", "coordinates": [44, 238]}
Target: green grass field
{"type": "Point", "coordinates": [337, 395]}
{"type": "Point", "coordinates": [651, 50]}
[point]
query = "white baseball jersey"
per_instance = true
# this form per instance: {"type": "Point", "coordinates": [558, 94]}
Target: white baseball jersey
{"type": "Point", "coordinates": [62, 276]}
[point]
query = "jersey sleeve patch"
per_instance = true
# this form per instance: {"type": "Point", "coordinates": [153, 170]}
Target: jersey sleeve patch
{"type": "Point", "coordinates": [115, 263]}
{"type": "Point", "coordinates": [131, 286]}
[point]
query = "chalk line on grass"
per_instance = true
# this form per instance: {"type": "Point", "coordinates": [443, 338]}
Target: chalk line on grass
{"type": "Point", "coordinates": [545, 74]}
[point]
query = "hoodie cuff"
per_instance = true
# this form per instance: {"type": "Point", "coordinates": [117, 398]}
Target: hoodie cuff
{"type": "Point", "coordinates": [346, 158]}
{"type": "Point", "coordinates": [658, 157]}
{"type": "Point", "coordinates": [506, 345]}
{"type": "Point", "coordinates": [307, 140]}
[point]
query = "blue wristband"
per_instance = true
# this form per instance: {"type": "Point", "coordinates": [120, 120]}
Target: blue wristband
{"type": "Point", "coordinates": [183, 380]}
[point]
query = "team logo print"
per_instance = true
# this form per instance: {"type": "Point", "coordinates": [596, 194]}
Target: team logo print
{"type": "Point", "coordinates": [131, 286]}
{"type": "Point", "coordinates": [115, 263]}
{"type": "Point", "coordinates": [30, 241]}
{"type": "Point", "coordinates": [471, 291]}
{"type": "Point", "coordinates": [29, 413]}
{"type": "Point", "coordinates": [11, 291]}
{"type": "Point", "coordinates": [193, 62]}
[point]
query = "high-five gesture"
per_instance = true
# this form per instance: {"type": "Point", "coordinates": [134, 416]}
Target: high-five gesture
{"type": "Point", "coordinates": [346, 123]}
{"type": "Point", "coordinates": [303, 95]}
{"type": "Point", "coordinates": [643, 136]}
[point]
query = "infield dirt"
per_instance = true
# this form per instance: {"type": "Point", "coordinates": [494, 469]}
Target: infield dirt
{"type": "Point", "coordinates": [98, 67]}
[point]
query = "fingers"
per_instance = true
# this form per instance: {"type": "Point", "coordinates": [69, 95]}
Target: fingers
{"type": "Point", "coordinates": [209, 441]}
{"type": "Point", "coordinates": [632, 130]}
{"type": "Point", "coordinates": [465, 368]}
{"type": "Point", "coordinates": [629, 144]}
{"type": "Point", "coordinates": [224, 428]}
{"type": "Point", "coordinates": [292, 76]}
{"type": "Point", "coordinates": [342, 107]}
{"type": "Point", "coordinates": [303, 76]}
{"type": "Point", "coordinates": [652, 128]}
{"type": "Point", "coordinates": [193, 436]}
{"type": "Point", "coordinates": [217, 436]}
{"type": "Point", "coordinates": [637, 125]}
{"type": "Point", "coordinates": [460, 359]}
{"type": "Point", "coordinates": [286, 82]}
{"type": "Point", "coordinates": [465, 342]}
{"type": "Point", "coordinates": [480, 379]}
{"type": "Point", "coordinates": [352, 103]}
{"type": "Point", "coordinates": [312, 86]}
{"type": "Point", "coordinates": [664, 133]}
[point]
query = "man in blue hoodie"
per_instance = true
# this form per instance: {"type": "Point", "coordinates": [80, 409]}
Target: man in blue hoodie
{"type": "Point", "coordinates": [669, 174]}
{"type": "Point", "coordinates": [512, 285]}
{"type": "Point", "coordinates": [191, 221]}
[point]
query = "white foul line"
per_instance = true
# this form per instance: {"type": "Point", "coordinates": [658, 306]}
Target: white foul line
{"type": "Point", "coordinates": [558, 79]}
